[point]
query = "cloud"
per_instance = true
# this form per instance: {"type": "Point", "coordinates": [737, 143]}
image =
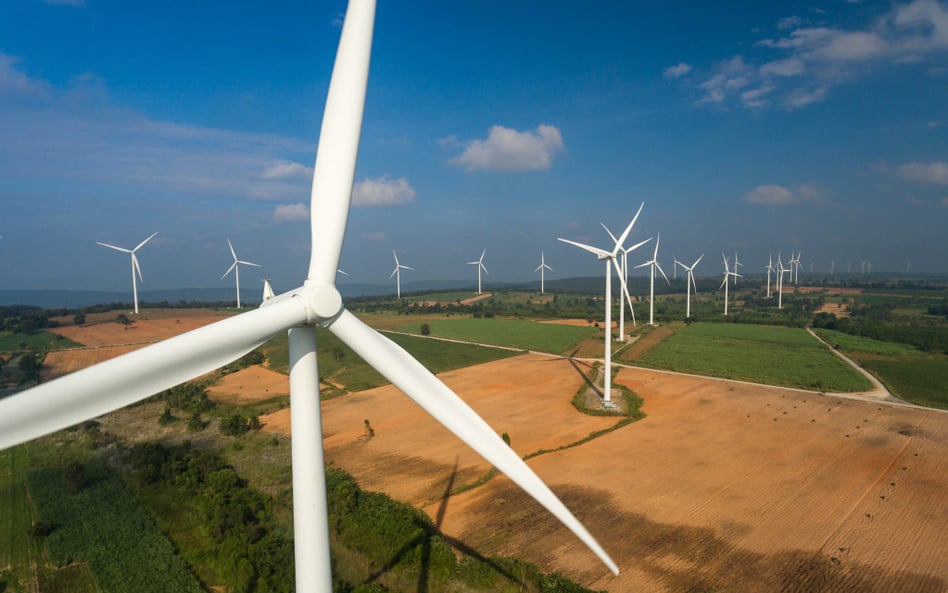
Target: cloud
{"type": "Point", "coordinates": [753, 98]}
{"type": "Point", "coordinates": [382, 191]}
{"type": "Point", "coordinates": [729, 76]}
{"type": "Point", "coordinates": [16, 84]}
{"type": "Point", "coordinates": [289, 212]}
{"type": "Point", "coordinates": [789, 22]}
{"type": "Point", "coordinates": [677, 71]}
{"type": "Point", "coordinates": [935, 173]}
{"type": "Point", "coordinates": [771, 195]}
{"type": "Point", "coordinates": [288, 171]}
{"type": "Point", "coordinates": [376, 236]}
{"type": "Point", "coordinates": [801, 98]}
{"type": "Point", "coordinates": [787, 67]}
{"type": "Point", "coordinates": [509, 150]}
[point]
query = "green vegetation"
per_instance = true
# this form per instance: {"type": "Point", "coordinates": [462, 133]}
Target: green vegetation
{"type": "Point", "coordinates": [853, 344]}
{"type": "Point", "coordinates": [339, 365]}
{"type": "Point", "coordinates": [16, 547]}
{"type": "Point", "coordinates": [103, 526]}
{"type": "Point", "coordinates": [528, 335]}
{"type": "Point", "coordinates": [771, 355]}
{"type": "Point", "coordinates": [41, 340]}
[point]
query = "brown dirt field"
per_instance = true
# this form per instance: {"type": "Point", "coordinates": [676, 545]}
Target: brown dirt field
{"type": "Point", "coordinates": [834, 308]}
{"type": "Point", "coordinates": [411, 455]}
{"type": "Point", "coordinates": [252, 384]}
{"type": "Point", "coordinates": [638, 348]}
{"type": "Point", "coordinates": [827, 290]}
{"type": "Point", "coordinates": [479, 297]}
{"type": "Point", "coordinates": [723, 486]}
{"type": "Point", "coordinates": [148, 328]}
{"type": "Point", "coordinates": [575, 322]}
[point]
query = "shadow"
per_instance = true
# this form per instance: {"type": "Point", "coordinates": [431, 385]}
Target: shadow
{"type": "Point", "coordinates": [585, 375]}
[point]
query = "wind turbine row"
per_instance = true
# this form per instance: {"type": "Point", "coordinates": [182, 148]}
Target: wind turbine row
{"type": "Point", "coordinates": [132, 377]}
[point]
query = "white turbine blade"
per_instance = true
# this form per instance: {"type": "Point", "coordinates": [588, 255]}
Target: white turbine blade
{"type": "Point", "coordinates": [627, 230]}
{"type": "Point", "coordinates": [611, 236]}
{"type": "Point", "coordinates": [723, 283]}
{"type": "Point", "coordinates": [248, 263]}
{"type": "Point", "coordinates": [338, 147]}
{"type": "Point", "coordinates": [548, 268]}
{"type": "Point", "coordinates": [540, 267]}
{"type": "Point", "coordinates": [122, 249]}
{"type": "Point", "coordinates": [137, 267]}
{"type": "Point", "coordinates": [483, 267]}
{"type": "Point", "coordinates": [693, 283]}
{"type": "Point", "coordinates": [637, 245]}
{"type": "Point", "coordinates": [446, 407]}
{"type": "Point", "coordinates": [697, 260]}
{"type": "Point", "coordinates": [602, 253]}
{"type": "Point", "coordinates": [395, 271]}
{"type": "Point", "coordinates": [407, 268]}
{"type": "Point", "coordinates": [625, 287]}
{"type": "Point", "coordinates": [121, 381]}
{"type": "Point", "coordinates": [150, 237]}
{"type": "Point", "coordinates": [648, 263]}
{"type": "Point", "coordinates": [232, 252]}
{"type": "Point", "coordinates": [659, 266]}
{"type": "Point", "coordinates": [341, 272]}
{"type": "Point", "coordinates": [232, 266]}
{"type": "Point", "coordinates": [483, 253]}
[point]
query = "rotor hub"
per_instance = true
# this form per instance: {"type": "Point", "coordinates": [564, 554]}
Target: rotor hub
{"type": "Point", "coordinates": [325, 301]}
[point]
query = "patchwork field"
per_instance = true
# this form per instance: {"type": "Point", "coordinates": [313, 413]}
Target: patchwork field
{"type": "Point", "coordinates": [514, 333]}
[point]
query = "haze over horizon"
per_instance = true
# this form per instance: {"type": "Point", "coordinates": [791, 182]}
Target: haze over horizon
{"type": "Point", "coordinates": [759, 128]}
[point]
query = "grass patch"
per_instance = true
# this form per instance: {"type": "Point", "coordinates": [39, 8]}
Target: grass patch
{"type": "Point", "coordinates": [514, 333]}
{"type": "Point", "coordinates": [17, 547]}
{"type": "Point", "coordinates": [858, 344]}
{"type": "Point", "coordinates": [783, 356]}
{"type": "Point", "coordinates": [38, 340]}
{"type": "Point", "coordinates": [918, 379]}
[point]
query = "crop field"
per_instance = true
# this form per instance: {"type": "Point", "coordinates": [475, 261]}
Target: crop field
{"type": "Point", "coordinates": [514, 333]}
{"type": "Point", "coordinates": [15, 541]}
{"type": "Point", "coordinates": [38, 340]}
{"type": "Point", "coordinates": [783, 356]}
{"type": "Point", "coordinates": [103, 525]}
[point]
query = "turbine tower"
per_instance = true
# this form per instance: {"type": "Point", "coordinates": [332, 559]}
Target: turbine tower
{"type": "Point", "coordinates": [653, 264]}
{"type": "Point", "coordinates": [397, 272]}
{"type": "Point", "coordinates": [541, 268]}
{"type": "Point", "coordinates": [737, 265]}
{"type": "Point", "coordinates": [832, 267]}
{"type": "Point", "coordinates": [610, 258]}
{"type": "Point", "coordinates": [690, 281]}
{"type": "Point", "coordinates": [780, 272]}
{"type": "Point", "coordinates": [727, 273]}
{"type": "Point", "coordinates": [136, 269]}
{"type": "Point", "coordinates": [770, 268]}
{"type": "Point", "coordinates": [121, 381]}
{"type": "Point", "coordinates": [236, 268]}
{"type": "Point", "coordinates": [480, 266]}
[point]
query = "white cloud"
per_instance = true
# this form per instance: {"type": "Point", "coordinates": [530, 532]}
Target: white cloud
{"type": "Point", "coordinates": [505, 149]}
{"type": "Point", "coordinates": [730, 76]}
{"type": "Point", "coordinates": [789, 22]}
{"type": "Point", "coordinates": [288, 171]}
{"type": "Point", "coordinates": [288, 212]}
{"type": "Point", "coordinates": [376, 236]}
{"type": "Point", "coordinates": [935, 173]}
{"type": "Point", "coordinates": [14, 83]}
{"type": "Point", "coordinates": [787, 67]}
{"type": "Point", "coordinates": [753, 98]}
{"type": "Point", "coordinates": [802, 98]}
{"type": "Point", "coordinates": [677, 71]}
{"type": "Point", "coordinates": [382, 191]}
{"type": "Point", "coordinates": [771, 195]}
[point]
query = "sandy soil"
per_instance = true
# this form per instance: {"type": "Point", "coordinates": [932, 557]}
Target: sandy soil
{"type": "Point", "coordinates": [837, 309]}
{"type": "Point", "coordinates": [252, 384]}
{"type": "Point", "coordinates": [479, 297]}
{"type": "Point", "coordinates": [575, 322]}
{"type": "Point", "coordinates": [827, 290]}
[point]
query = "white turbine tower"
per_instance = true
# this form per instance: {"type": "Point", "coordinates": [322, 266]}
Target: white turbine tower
{"type": "Point", "coordinates": [832, 267]}
{"type": "Point", "coordinates": [136, 270]}
{"type": "Point", "coordinates": [236, 268]}
{"type": "Point", "coordinates": [540, 269]}
{"type": "Point", "coordinates": [690, 280]}
{"type": "Point", "coordinates": [780, 272]}
{"type": "Point", "coordinates": [397, 272]}
{"type": "Point", "coordinates": [610, 258]}
{"type": "Point", "coordinates": [480, 266]}
{"type": "Point", "coordinates": [770, 268]}
{"type": "Point", "coordinates": [737, 265]}
{"type": "Point", "coordinates": [653, 264]}
{"type": "Point", "coordinates": [624, 272]}
{"type": "Point", "coordinates": [727, 273]}
{"type": "Point", "coordinates": [121, 381]}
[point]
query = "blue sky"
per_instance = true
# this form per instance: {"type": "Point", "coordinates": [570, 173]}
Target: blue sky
{"type": "Point", "coordinates": [751, 126]}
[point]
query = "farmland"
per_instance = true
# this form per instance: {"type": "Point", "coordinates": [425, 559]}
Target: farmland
{"type": "Point", "coordinates": [512, 333]}
{"type": "Point", "coordinates": [772, 355]}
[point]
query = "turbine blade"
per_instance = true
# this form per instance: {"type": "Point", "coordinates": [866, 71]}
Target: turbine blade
{"type": "Point", "coordinates": [446, 407]}
{"type": "Point", "coordinates": [659, 266]}
{"type": "Point", "coordinates": [137, 267]}
{"type": "Point", "coordinates": [483, 267]}
{"type": "Point", "coordinates": [637, 245]}
{"type": "Point", "coordinates": [127, 379]}
{"type": "Point", "coordinates": [611, 236]}
{"type": "Point", "coordinates": [697, 260]}
{"type": "Point", "coordinates": [122, 249]}
{"type": "Point", "coordinates": [232, 252]}
{"type": "Point", "coordinates": [338, 148]}
{"type": "Point", "coordinates": [628, 230]}
{"type": "Point", "coordinates": [150, 237]}
{"type": "Point", "coordinates": [248, 263]}
{"type": "Point", "coordinates": [395, 271]}
{"type": "Point", "coordinates": [407, 268]}
{"type": "Point", "coordinates": [602, 253]}
{"type": "Point", "coordinates": [232, 266]}
{"type": "Point", "coordinates": [483, 253]}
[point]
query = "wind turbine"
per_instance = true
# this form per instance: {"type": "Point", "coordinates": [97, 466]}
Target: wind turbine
{"type": "Point", "coordinates": [690, 281]}
{"type": "Point", "coordinates": [737, 265]}
{"type": "Point", "coordinates": [541, 268]}
{"type": "Point", "coordinates": [236, 268]}
{"type": "Point", "coordinates": [480, 266]}
{"type": "Point", "coordinates": [136, 269]}
{"type": "Point", "coordinates": [727, 272]}
{"type": "Point", "coordinates": [624, 272]}
{"type": "Point", "coordinates": [770, 268]}
{"type": "Point", "coordinates": [780, 272]}
{"type": "Point", "coordinates": [397, 272]}
{"type": "Point", "coordinates": [832, 267]}
{"type": "Point", "coordinates": [653, 264]}
{"type": "Point", "coordinates": [121, 381]}
{"type": "Point", "coordinates": [610, 258]}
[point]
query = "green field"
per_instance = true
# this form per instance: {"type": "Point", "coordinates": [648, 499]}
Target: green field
{"type": "Point", "coordinates": [38, 340]}
{"type": "Point", "coordinates": [528, 335]}
{"type": "Point", "coordinates": [339, 364]}
{"type": "Point", "coordinates": [858, 344]}
{"type": "Point", "coordinates": [762, 354]}
{"type": "Point", "coordinates": [15, 540]}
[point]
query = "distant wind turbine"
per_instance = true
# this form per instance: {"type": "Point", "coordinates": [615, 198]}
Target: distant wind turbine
{"type": "Point", "coordinates": [690, 281]}
{"type": "Point", "coordinates": [727, 273]}
{"type": "Point", "coordinates": [136, 269]}
{"type": "Point", "coordinates": [236, 268]}
{"type": "Point", "coordinates": [397, 272]}
{"type": "Point", "coordinates": [541, 268]}
{"type": "Point", "coordinates": [480, 266]}
{"type": "Point", "coordinates": [653, 264]}
{"type": "Point", "coordinates": [780, 272]}
{"type": "Point", "coordinates": [737, 265]}
{"type": "Point", "coordinates": [832, 267]}
{"type": "Point", "coordinates": [610, 258]}
{"type": "Point", "coordinates": [770, 268]}
{"type": "Point", "coordinates": [624, 272]}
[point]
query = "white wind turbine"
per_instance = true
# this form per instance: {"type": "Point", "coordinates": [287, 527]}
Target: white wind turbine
{"type": "Point", "coordinates": [727, 273]}
{"type": "Point", "coordinates": [690, 281]}
{"type": "Point", "coordinates": [624, 272]}
{"type": "Point", "coordinates": [480, 266]}
{"type": "Point", "coordinates": [136, 269]}
{"type": "Point", "coordinates": [653, 264]}
{"type": "Point", "coordinates": [397, 272]}
{"type": "Point", "coordinates": [780, 272]}
{"type": "Point", "coordinates": [236, 268]}
{"type": "Point", "coordinates": [770, 269]}
{"type": "Point", "coordinates": [610, 258]}
{"type": "Point", "coordinates": [737, 265]}
{"type": "Point", "coordinates": [121, 381]}
{"type": "Point", "coordinates": [832, 267]}
{"type": "Point", "coordinates": [541, 268]}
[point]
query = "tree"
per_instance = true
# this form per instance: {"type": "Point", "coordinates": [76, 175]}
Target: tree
{"type": "Point", "coordinates": [79, 318]}
{"type": "Point", "coordinates": [75, 476]}
{"type": "Point", "coordinates": [425, 329]}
